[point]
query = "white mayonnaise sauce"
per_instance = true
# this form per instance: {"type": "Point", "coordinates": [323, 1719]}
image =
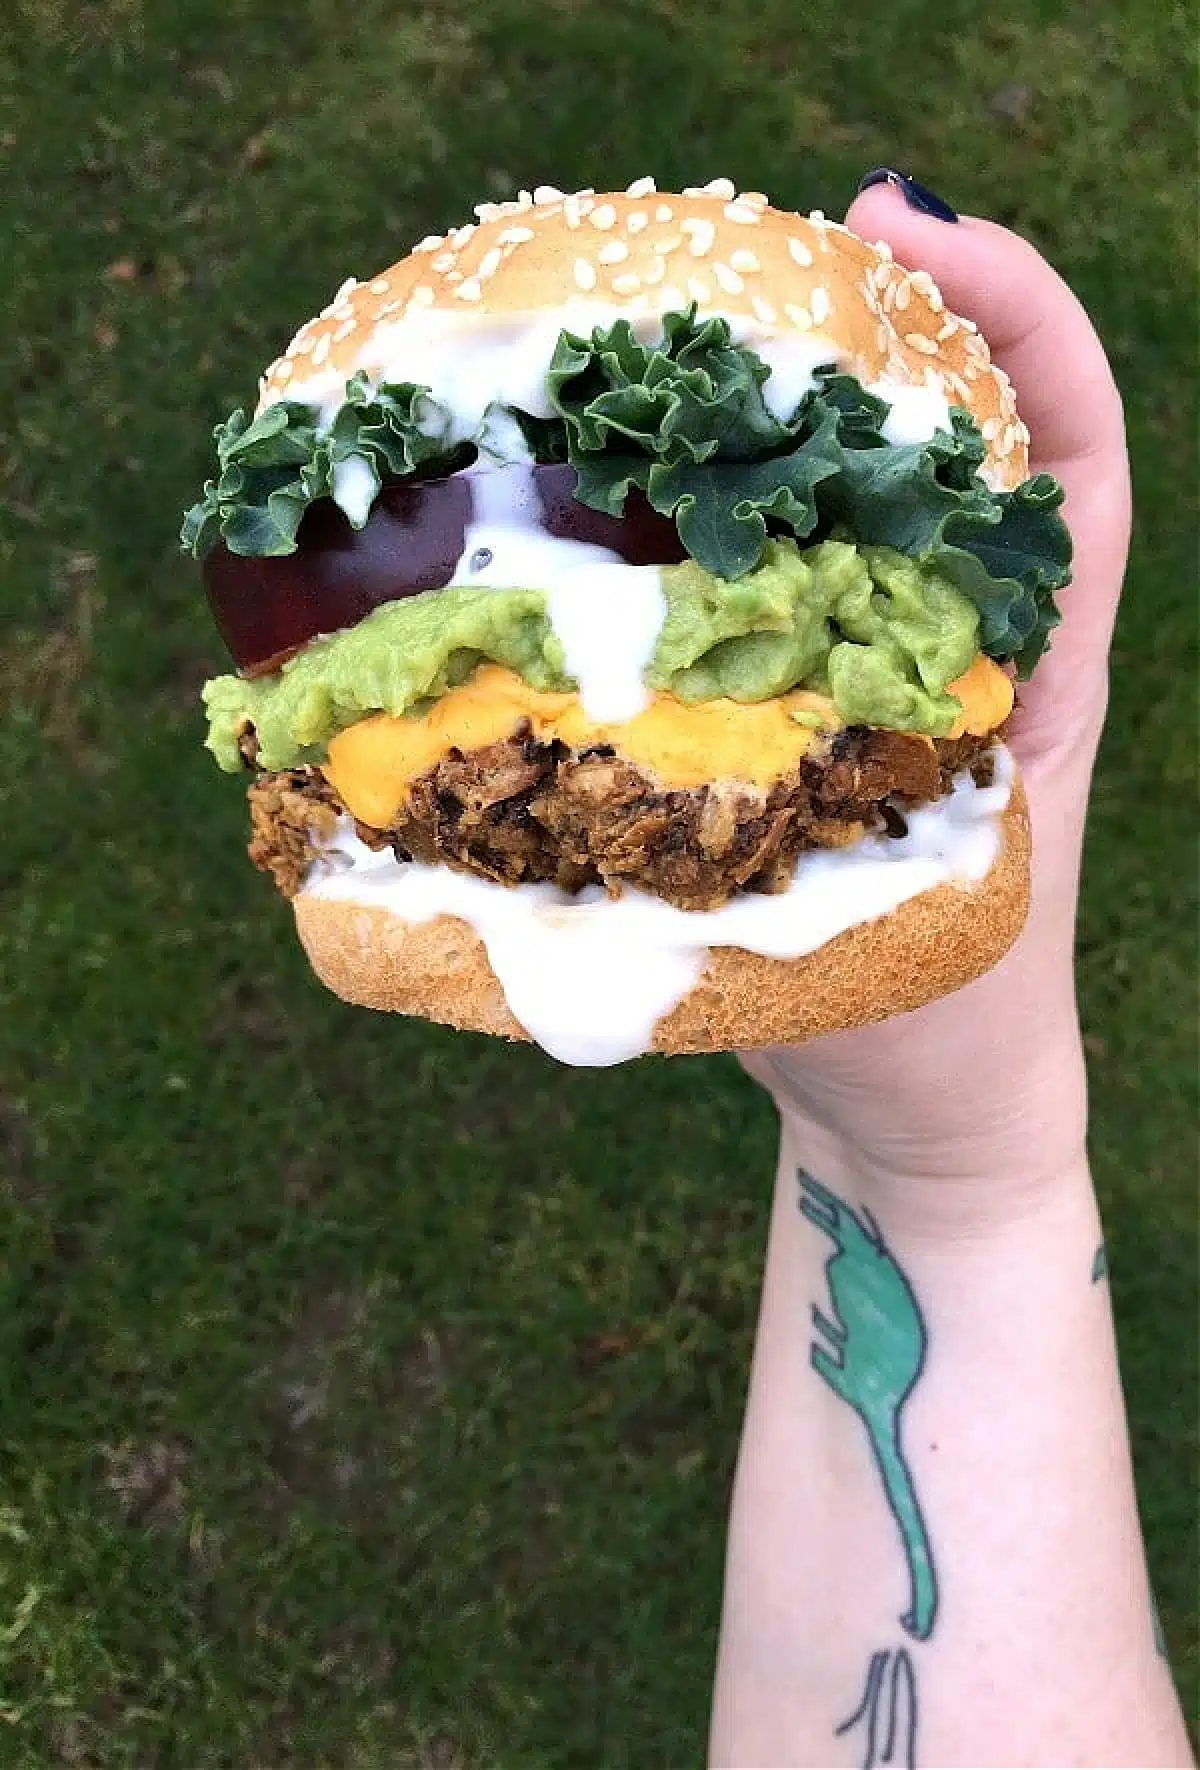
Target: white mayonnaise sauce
{"type": "Point", "coordinates": [606, 614]}
{"type": "Point", "coordinates": [917, 411]}
{"type": "Point", "coordinates": [354, 486]}
{"type": "Point", "coordinates": [471, 364]}
{"type": "Point", "coordinates": [589, 977]}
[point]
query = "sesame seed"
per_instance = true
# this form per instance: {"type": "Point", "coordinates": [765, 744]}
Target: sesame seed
{"type": "Point", "coordinates": [741, 212]}
{"type": "Point", "coordinates": [727, 279]}
{"type": "Point", "coordinates": [947, 330]}
{"type": "Point", "coordinates": [972, 368]}
{"type": "Point", "coordinates": [744, 259]}
{"type": "Point", "coordinates": [656, 272]}
{"type": "Point", "coordinates": [641, 187]}
{"type": "Point", "coordinates": [301, 344]}
{"type": "Point", "coordinates": [346, 327]}
{"type": "Point", "coordinates": [391, 307]}
{"type": "Point", "coordinates": [284, 371]}
{"type": "Point", "coordinates": [380, 286]}
{"type": "Point", "coordinates": [671, 244]}
{"type": "Point", "coordinates": [422, 296]}
{"type": "Point", "coordinates": [544, 194]}
{"type": "Point", "coordinates": [573, 211]}
{"type": "Point", "coordinates": [883, 337]}
{"type": "Point", "coordinates": [990, 429]}
{"type": "Point", "coordinates": [702, 234]}
{"type": "Point", "coordinates": [818, 218]}
{"type": "Point", "coordinates": [516, 236]}
{"type": "Point", "coordinates": [444, 261]}
{"type": "Point", "coordinates": [821, 306]}
{"type": "Point", "coordinates": [454, 276]}
{"type": "Point", "coordinates": [799, 250]}
{"type": "Point", "coordinates": [884, 250]}
{"type": "Point", "coordinates": [664, 212]}
{"type": "Point", "coordinates": [1009, 440]}
{"type": "Point", "coordinates": [604, 217]}
{"type": "Point", "coordinates": [903, 295]}
{"type": "Point", "coordinates": [918, 341]}
{"type": "Point", "coordinates": [698, 289]}
{"type": "Point", "coordinates": [672, 297]}
{"type": "Point", "coordinates": [889, 298]}
{"type": "Point", "coordinates": [321, 348]}
{"type": "Point", "coordinates": [430, 243]}
{"type": "Point", "coordinates": [716, 187]}
{"type": "Point", "coordinates": [613, 252]}
{"type": "Point", "coordinates": [636, 222]}
{"type": "Point", "coordinates": [764, 310]}
{"type": "Point", "coordinates": [627, 284]}
{"type": "Point", "coordinates": [757, 199]}
{"type": "Point", "coordinates": [882, 275]}
{"type": "Point", "coordinates": [585, 274]}
{"type": "Point", "coordinates": [468, 290]}
{"type": "Point", "coordinates": [460, 235]}
{"type": "Point", "coordinates": [799, 316]}
{"type": "Point", "coordinates": [490, 263]}
{"type": "Point", "coordinates": [347, 287]}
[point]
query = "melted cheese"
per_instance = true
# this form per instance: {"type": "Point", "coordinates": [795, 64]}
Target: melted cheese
{"type": "Point", "coordinates": [372, 762]}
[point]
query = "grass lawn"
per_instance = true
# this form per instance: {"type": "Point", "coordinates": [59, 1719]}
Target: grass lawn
{"type": "Point", "coordinates": [368, 1395]}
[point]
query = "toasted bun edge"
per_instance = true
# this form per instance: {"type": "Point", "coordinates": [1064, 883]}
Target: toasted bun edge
{"type": "Point", "coordinates": [927, 947]}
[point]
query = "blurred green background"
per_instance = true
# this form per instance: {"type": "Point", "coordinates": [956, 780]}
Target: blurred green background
{"type": "Point", "coordinates": [369, 1395]}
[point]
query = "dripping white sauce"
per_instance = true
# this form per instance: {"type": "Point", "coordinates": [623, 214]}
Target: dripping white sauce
{"type": "Point", "coordinates": [917, 411]}
{"type": "Point", "coordinates": [589, 977]}
{"type": "Point", "coordinates": [355, 484]}
{"type": "Point", "coordinates": [472, 364]}
{"type": "Point", "coordinates": [606, 614]}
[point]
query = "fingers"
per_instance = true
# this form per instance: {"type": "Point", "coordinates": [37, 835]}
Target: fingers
{"type": "Point", "coordinates": [1038, 330]}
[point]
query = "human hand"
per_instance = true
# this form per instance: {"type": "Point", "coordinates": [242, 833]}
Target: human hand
{"type": "Point", "coordinates": [989, 1081]}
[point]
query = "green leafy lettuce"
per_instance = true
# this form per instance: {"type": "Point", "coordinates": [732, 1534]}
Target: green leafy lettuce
{"type": "Point", "coordinates": [684, 420]}
{"type": "Point", "coordinates": [880, 634]}
{"type": "Point", "coordinates": [271, 468]}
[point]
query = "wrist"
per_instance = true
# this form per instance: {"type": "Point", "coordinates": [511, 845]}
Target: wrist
{"type": "Point", "coordinates": [991, 1149]}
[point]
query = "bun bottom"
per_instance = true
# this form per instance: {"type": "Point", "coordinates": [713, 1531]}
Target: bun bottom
{"type": "Point", "coordinates": [927, 947]}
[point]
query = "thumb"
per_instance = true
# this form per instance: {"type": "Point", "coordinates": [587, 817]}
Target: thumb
{"type": "Point", "coordinates": [1041, 336]}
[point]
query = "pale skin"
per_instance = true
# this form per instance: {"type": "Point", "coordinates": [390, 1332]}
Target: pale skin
{"type": "Point", "coordinates": [934, 1550]}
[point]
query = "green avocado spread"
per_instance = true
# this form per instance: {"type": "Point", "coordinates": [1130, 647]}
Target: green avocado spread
{"type": "Point", "coordinates": [878, 632]}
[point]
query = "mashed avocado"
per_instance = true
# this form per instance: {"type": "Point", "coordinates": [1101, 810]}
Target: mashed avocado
{"type": "Point", "coordinates": [875, 630]}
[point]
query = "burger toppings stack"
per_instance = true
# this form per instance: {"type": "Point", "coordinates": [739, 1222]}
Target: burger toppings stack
{"type": "Point", "coordinates": [625, 589]}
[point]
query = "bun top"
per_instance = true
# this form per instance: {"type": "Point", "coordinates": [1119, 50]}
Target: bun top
{"type": "Point", "coordinates": [777, 277]}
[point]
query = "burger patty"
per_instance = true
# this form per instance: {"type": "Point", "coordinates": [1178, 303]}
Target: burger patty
{"type": "Point", "coordinates": [523, 810]}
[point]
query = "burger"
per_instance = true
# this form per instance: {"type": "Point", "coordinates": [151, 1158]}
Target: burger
{"type": "Point", "coordinates": [626, 592]}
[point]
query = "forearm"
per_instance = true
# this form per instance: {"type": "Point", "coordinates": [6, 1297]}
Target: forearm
{"type": "Point", "coordinates": [934, 1525]}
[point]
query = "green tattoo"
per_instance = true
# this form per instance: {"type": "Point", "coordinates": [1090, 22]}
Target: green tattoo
{"type": "Point", "coordinates": [874, 1354]}
{"type": "Point", "coordinates": [1160, 1634]}
{"type": "Point", "coordinates": [1100, 1264]}
{"type": "Point", "coordinates": [887, 1712]}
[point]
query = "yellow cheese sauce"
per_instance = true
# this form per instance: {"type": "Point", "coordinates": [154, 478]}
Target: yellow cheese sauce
{"type": "Point", "coordinates": [372, 762]}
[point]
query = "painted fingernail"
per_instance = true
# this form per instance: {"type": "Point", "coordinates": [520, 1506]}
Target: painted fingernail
{"type": "Point", "coordinates": [914, 194]}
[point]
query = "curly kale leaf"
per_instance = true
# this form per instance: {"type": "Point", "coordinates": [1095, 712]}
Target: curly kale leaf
{"type": "Point", "coordinates": [271, 468]}
{"type": "Point", "coordinates": [684, 420]}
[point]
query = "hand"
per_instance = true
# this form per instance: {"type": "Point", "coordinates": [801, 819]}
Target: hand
{"type": "Point", "coordinates": [990, 1080]}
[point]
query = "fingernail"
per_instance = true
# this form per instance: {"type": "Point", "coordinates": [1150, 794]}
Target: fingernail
{"type": "Point", "coordinates": [914, 194]}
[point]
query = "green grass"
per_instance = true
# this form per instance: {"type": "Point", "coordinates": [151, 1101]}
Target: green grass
{"type": "Point", "coordinates": [368, 1394]}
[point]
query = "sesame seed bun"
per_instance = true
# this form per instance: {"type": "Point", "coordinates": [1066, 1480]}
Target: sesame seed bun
{"type": "Point", "coordinates": [642, 253]}
{"type": "Point", "coordinates": [932, 944]}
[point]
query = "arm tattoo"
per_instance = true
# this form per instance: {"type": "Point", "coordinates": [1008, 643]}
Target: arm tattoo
{"type": "Point", "coordinates": [870, 1353]}
{"type": "Point", "coordinates": [1100, 1264]}
{"type": "Point", "coordinates": [887, 1712]}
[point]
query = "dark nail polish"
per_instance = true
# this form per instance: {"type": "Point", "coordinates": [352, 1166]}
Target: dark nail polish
{"type": "Point", "coordinates": [914, 194]}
